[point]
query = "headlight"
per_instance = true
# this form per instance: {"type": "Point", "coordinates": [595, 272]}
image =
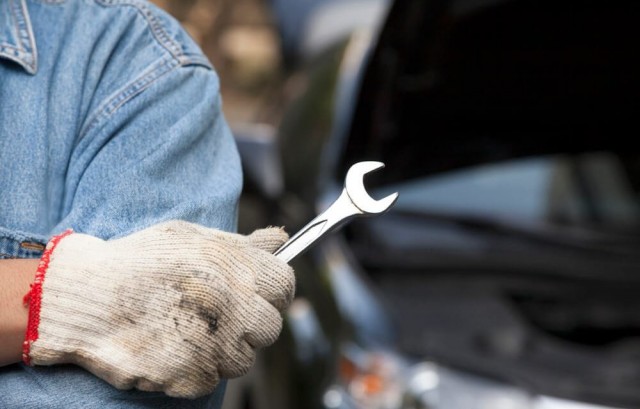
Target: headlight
{"type": "Point", "coordinates": [422, 384]}
{"type": "Point", "coordinates": [384, 380]}
{"type": "Point", "coordinates": [380, 380]}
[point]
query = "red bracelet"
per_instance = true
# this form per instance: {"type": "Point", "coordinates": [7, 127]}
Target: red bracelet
{"type": "Point", "coordinates": [33, 298]}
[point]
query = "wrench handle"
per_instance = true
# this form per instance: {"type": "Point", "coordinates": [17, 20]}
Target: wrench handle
{"type": "Point", "coordinates": [297, 244]}
{"type": "Point", "coordinates": [341, 211]}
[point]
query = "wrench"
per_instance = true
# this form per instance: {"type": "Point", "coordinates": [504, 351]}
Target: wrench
{"type": "Point", "coordinates": [354, 201]}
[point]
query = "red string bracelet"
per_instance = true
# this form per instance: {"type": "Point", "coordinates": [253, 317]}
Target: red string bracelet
{"type": "Point", "coordinates": [34, 296]}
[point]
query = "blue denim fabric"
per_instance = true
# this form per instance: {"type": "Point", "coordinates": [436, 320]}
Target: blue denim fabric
{"type": "Point", "coordinates": [110, 121]}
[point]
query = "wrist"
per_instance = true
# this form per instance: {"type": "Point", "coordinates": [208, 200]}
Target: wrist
{"type": "Point", "coordinates": [34, 297]}
{"type": "Point", "coordinates": [77, 300]}
{"type": "Point", "coordinates": [15, 277]}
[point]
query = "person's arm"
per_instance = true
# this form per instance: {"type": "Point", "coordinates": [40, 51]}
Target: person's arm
{"type": "Point", "coordinates": [152, 290]}
{"type": "Point", "coordinates": [175, 307]}
{"type": "Point", "coordinates": [15, 278]}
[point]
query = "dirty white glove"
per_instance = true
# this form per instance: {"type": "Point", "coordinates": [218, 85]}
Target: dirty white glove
{"type": "Point", "coordinates": [172, 308]}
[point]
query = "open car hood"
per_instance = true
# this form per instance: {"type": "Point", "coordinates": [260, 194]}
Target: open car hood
{"type": "Point", "coordinates": [456, 83]}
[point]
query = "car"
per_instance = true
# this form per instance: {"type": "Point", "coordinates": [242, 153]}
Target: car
{"type": "Point", "coordinates": [305, 28]}
{"type": "Point", "coordinates": [507, 275]}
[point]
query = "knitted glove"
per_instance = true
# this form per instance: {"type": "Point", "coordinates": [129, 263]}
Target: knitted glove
{"type": "Point", "coordinates": [171, 308]}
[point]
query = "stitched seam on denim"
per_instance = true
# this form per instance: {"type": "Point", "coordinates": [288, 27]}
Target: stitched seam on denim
{"type": "Point", "coordinates": [19, 235]}
{"type": "Point", "coordinates": [12, 56]}
{"type": "Point", "coordinates": [155, 25]}
{"type": "Point", "coordinates": [11, 240]}
{"type": "Point", "coordinates": [197, 59]}
{"type": "Point", "coordinates": [49, 1]}
{"type": "Point", "coordinates": [25, 33]}
{"type": "Point", "coordinates": [128, 92]}
{"type": "Point", "coordinates": [25, 53]}
{"type": "Point", "coordinates": [164, 142]}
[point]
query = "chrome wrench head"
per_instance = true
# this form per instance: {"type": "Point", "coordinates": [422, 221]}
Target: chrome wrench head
{"type": "Point", "coordinates": [354, 186]}
{"type": "Point", "coordinates": [354, 201]}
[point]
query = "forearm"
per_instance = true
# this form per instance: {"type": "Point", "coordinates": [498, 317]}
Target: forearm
{"type": "Point", "coordinates": [175, 307]}
{"type": "Point", "coordinates": [15, 278]}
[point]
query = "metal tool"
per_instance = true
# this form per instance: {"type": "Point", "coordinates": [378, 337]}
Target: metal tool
{"type": "Point", "coordinates": [354, 201]}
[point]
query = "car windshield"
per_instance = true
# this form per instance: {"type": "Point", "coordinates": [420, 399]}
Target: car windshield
{"type": "Point", "coordinates": [597, 189]}
{"type": "Point", "coordinates": [581, 211]}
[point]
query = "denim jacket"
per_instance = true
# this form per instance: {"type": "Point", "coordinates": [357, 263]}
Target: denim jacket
{"type": "Point", "coordinates": [110, 121]}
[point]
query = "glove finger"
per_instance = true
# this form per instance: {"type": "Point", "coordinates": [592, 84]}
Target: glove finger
{"type": "Point", "coordinates": [269, 239]}
{"type": "Point", "coordinates": [275, 282]}
{"type": "Point", "coordinates": [148, 385]}
{"type": "Point", "coordinates": [237, 360]}
{"type": "Point", "coordinates": [188, 387]}
{"type": "Point", "coordinates": [264, 328]}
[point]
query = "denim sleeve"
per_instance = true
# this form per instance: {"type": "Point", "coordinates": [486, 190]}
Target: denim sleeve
{"type": "Point", "coordinates": [120, 127]}
{"type": "Point", "coordinates": [159, 149]}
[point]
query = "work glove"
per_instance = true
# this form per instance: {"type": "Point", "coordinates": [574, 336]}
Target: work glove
{"type": "Point", "coordinates": [172, 308]}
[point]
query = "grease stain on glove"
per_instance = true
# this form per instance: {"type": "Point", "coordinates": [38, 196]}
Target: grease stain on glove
{"type": "Point", "coordinates": [172, 308]}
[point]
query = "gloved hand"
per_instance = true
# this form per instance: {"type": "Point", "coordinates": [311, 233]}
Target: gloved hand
{"type": "Point", "coordinates": [171, 308]}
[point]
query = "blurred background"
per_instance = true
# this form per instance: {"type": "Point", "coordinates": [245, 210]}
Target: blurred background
{"type": "Point", "coordinates": [240, 39]}
{"type": "Point", "coordinates": [507, 274]}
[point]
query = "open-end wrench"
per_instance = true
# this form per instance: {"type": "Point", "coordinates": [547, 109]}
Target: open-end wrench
{"type": "Point", "coordinates": [354, 201]}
